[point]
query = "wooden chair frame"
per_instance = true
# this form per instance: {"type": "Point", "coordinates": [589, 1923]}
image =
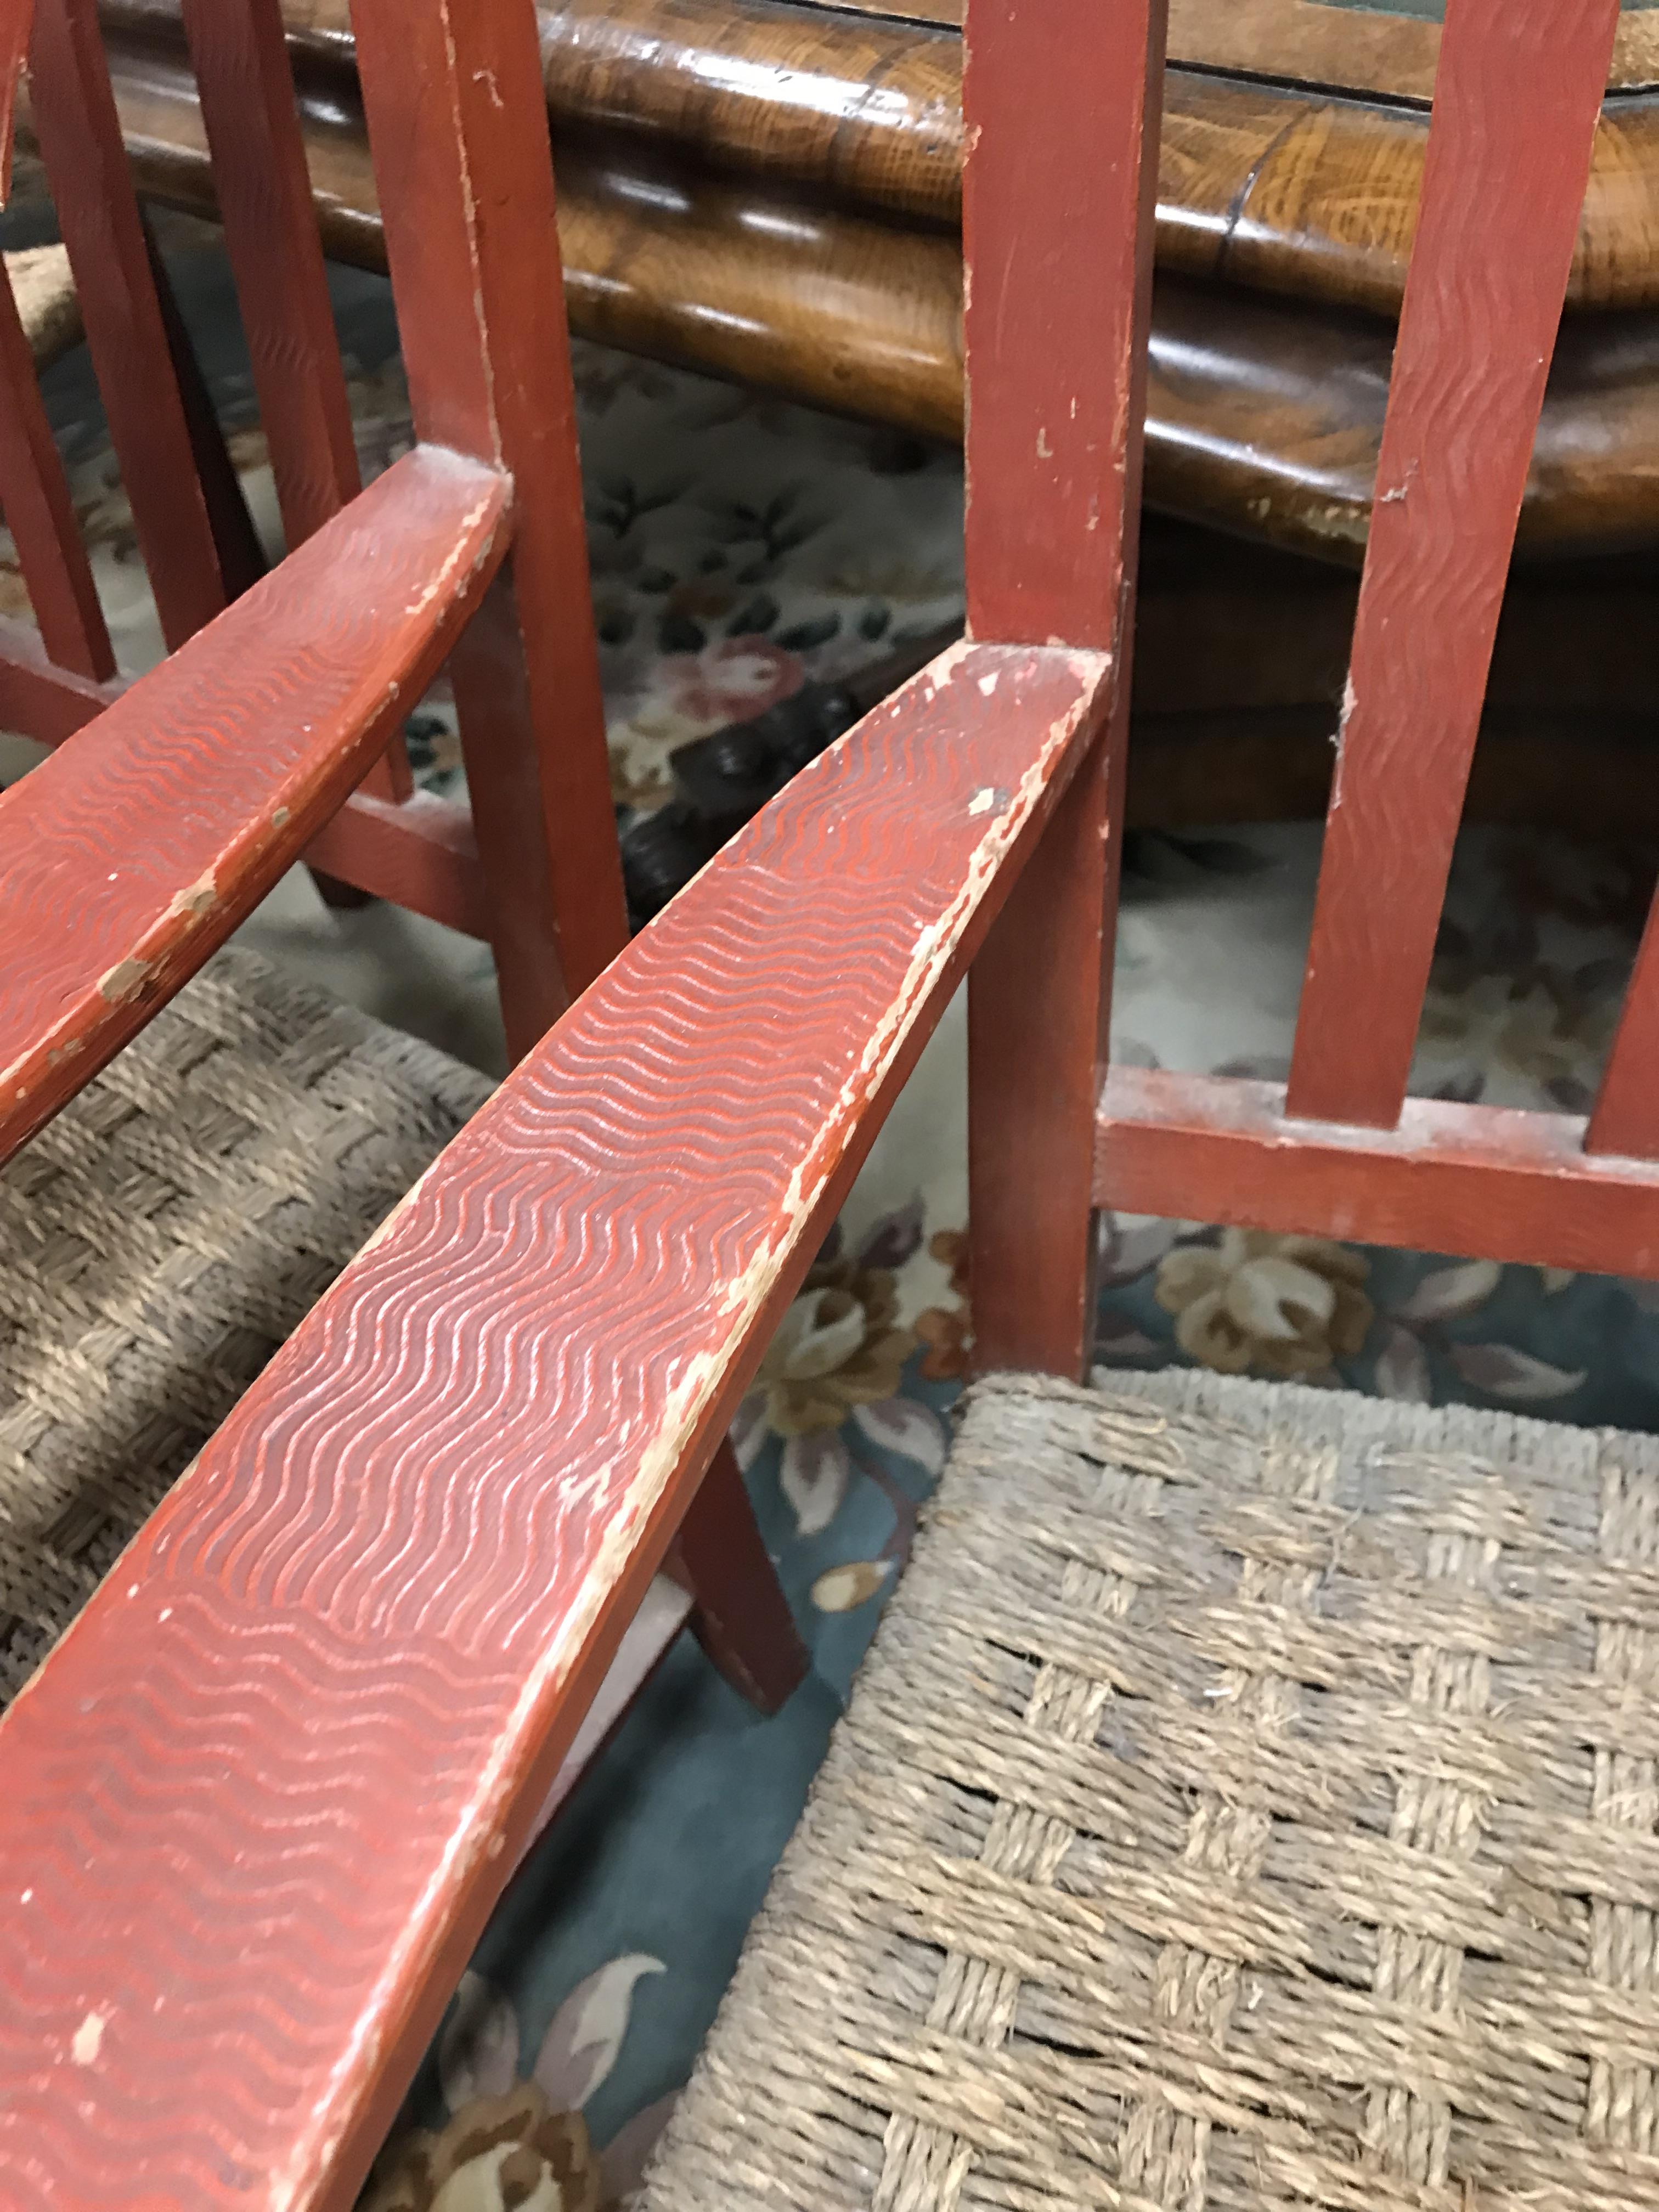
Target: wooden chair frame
{"type": "Point", "coordinates": [467, 192]}
{"type": "Point", "coordinates": [265, 1791]}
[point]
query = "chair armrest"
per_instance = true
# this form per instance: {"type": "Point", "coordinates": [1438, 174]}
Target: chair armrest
{"type": "Point", "coordinates": [263, 1795]}
{"type": "Point", "coordinates": [131, 852]}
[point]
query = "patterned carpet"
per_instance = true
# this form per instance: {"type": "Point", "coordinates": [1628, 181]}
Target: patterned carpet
{"type": "Point", "coordinates": [740, 547]}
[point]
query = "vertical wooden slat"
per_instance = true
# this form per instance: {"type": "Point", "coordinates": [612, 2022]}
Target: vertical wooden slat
{"type": "Point", "coordinates": [1061, 107]}
{"type": "Point", "coordinates": [40, 515]}
{"type": "Point", "coordinates": [457, 129]}
{"type": "Point", "coordinates": [241, 557]}
{"type": "Point", "coordinates": [80, 136]}
{"type": "Point", "coordinates": [17, 22]}
{"type": "Point", "coordinates": [1517, 99]}
{"type": "Point", "coordinates": [1058, 100]}
{"type": "Point", "coordinates": [1625, 1117]}
{"type": "Point", "coordinates": [1038, 999]}
{"type": "Point", "coordinates": [242, 73]}
{"type": "Point", "coordinates": [742, 1617]}
{"type": "Point", "coordinates": [240, 61]}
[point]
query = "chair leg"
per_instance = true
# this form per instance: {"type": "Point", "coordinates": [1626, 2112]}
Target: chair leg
{"type": "Point", "coordinates": [1038, 1002]}
{"type": "Point", "coordinates": [741, 1617]}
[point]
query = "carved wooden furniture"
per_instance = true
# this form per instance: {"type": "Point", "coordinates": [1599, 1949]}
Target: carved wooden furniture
{"type": "Point", "coordinates": [780, 225]}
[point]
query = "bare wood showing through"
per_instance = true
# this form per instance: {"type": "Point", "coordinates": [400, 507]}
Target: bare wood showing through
{"type": "Point", "coordinates": [1509, 155]}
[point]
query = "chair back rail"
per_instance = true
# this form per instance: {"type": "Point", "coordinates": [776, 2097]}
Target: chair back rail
{"type": "Point", "coordinates": [1056, 354]}
{"type": "Point", "coordinates": [1626, 1116]}
{"type": "Point", "coordinates": [1493, 1180]}
{"type": "Point", "coordinates": [246, 90]}
{"type": "Point", "coordinates": [1517, 96]}
{"type": "Point", "coordinates": [16, 21]}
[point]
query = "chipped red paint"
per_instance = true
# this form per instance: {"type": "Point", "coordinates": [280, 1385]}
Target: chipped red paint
{"type": "Point", "coordinates": [391, 1583]}
{"type": "Point", "coordinates": [135, 850]}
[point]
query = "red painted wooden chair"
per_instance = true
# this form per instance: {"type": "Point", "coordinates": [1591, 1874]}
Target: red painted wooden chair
{"type": "Point", "coordinates": [192, 1146]}
{"type": "Point", "coordinates": [533, 867]}
{"type": "Point", "coordinates": [1032, 1946]}
{"type": "Point", "coordinates": [1252, 1796]}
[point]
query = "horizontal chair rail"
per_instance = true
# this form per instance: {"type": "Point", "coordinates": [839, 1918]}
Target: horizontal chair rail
{"type": "Point", "coordinates": [1508, 1184]}
{"type": "Point", "coordinates": [268, 1787]}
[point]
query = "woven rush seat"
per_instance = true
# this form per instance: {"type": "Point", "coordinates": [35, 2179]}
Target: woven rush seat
{"type": "Point", "coordinates": [1249, 1799]}
{"type": "Point", "coordinates": [163, 1235]}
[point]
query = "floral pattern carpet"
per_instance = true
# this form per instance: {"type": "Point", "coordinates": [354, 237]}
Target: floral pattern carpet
{"type": "Point", "coordinates": [739, 547]}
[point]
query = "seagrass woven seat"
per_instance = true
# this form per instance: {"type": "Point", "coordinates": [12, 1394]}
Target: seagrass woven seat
{"type": "Point", "coordinates": [1249, 1800]}
{"type": "Point", "coordinates": [160, 1239]}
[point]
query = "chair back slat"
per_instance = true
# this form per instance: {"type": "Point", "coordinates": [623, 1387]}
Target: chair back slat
{"type": "Point", "coordinates": [1625, 1115]}
{"type": "Point", "coordinates": [1516, 98]}
{"type": "Point", "coordinates": [35, 496]}
{"type": "Point", "coordinates": [240, 57]}
{"type": "Point", "coordinates": [76, 122]}
{"type": "Point", "coordinates": [240, 61]}
{"type": "Point", "coordinates": [17, 22]}
{"type": "Point", "coordinates": [470, 222]}
{"type": "Point", "coordinates": [1057, 225]}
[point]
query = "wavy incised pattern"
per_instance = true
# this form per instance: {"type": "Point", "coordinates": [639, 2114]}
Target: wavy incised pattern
{"type": "Point", "coordinates": [331, 1681]}
{"type": "Point", "coordinates": [1516, 105]}
{"type": "Point", "coordinates": [137, 849]}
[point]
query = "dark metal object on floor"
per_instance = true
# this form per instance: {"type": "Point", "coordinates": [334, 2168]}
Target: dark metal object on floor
{"type": "Point", "coordinates": [722, 781]}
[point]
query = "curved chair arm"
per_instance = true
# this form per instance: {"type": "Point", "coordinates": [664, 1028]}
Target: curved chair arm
{"type": "Point", "coordinates": [130, 854]}
{"type": "Point", "coordinates": [261, 1799]}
